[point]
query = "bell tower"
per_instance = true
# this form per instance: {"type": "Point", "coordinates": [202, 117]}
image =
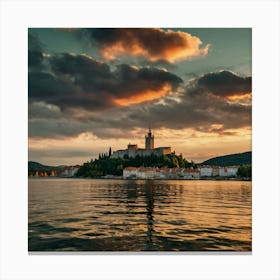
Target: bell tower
{"type": "Point", "coordinates": [149, 140]}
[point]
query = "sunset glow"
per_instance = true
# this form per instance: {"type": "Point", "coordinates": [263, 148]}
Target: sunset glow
{"type": "Point", "coordinates": [141, 97]}
{"type": "Point", "coordinates": [173, 46]}
{"type": "Point", "coordinates": [239, 97]}
{"type": "Point", "coordinates": [98, 88]}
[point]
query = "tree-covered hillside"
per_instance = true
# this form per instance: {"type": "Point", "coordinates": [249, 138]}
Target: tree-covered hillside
{"type": "Point", "coordinates": [114, 166]}
{"type": "Point", "coordinates": [228, 160]}
{"type": "Point", "coordinates": [36, 166]}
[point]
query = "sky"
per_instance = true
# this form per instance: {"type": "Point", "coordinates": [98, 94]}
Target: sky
{"type": "Point", "coordinates": [90, 89]}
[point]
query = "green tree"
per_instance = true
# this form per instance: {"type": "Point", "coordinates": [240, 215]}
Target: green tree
{"type": "Point", "coordinates": [245, 171]}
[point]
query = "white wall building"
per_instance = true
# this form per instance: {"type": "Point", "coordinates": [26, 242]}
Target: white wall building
{"type": "Point", "coordinates": [160, 173]}
{"type": "Point", "coordinates": [130, 172]}
{"type": "Point", "coordinates": [191, 173]}
{"type": "Point", "coordinates": [206, 171]}
{"type": "Point", "coordinates": [148, 173]}
{"type": "Point", "coordinates": [70, 171]}
{"type": "Point", "coordinates": [230, 171]}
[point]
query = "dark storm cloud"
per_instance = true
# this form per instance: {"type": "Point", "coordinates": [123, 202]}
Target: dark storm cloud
{"type": "Point", "coordinates": [42, 110]}
{"type": "Point", "coordinates": [154, 44]}
{"type": "Point", "coordinates": [199, 107]}
{"type": "Point", "coordinates": [46, 86]}
{"type": "Point", "coordinates": [225, 83]}
{"type": "Point", "coordinates": [64, 97]}
{"type": "Point", "coordinates": [95, 75]}
{"type": "Point", "coordinates": [56, 128]}
{"type": "Point", "coordinates": [35, 55]}
{"type": "Point", "coordinates": [203, 112]}
{"type": "Point", "coordinates": [81, 81]}
{"type": "Point", "coordinates": [140, 79]}
{"type": "Point", "coordinates": [82, 67]}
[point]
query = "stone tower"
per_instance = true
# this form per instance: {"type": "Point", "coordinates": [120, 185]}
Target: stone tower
{"type": "Point", "coordinates": [149, 140]}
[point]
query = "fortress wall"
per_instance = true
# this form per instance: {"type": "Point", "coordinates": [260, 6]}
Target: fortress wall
{"type": "Point", "coordinates": [133, 152]}
{"type": "Point", "coordinates": [119, 154]}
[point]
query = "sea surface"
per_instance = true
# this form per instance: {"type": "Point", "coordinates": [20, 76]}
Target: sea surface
{"type": "Point", "coordinates": [139, 215]}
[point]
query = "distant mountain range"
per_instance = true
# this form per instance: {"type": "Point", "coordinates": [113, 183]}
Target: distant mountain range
{"type": "Point", "coordinates": [228, 160]}
{"type": "Point", "coordinates": [36, 166]}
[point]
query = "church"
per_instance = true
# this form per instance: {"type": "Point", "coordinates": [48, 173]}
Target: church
{"type": "Point", "coordinates": [133, 150]}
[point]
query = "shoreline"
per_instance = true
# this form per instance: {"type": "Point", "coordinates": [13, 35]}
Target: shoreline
{"type": "Point", "coordinates": [150, 179]}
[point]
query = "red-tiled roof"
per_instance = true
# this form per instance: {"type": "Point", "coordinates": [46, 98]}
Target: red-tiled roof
{"type": "Point", "coordinates": [130, 168]}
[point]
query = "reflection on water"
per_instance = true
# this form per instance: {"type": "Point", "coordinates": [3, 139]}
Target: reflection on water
{"type": "Point", "coordinates": [127, 215]}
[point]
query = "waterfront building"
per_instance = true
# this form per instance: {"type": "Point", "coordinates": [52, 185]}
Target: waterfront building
{"type": "Point", "coordinates": [179, 173]}
{"type": "Point", "coordinates": [206, 171]}
{"type": "Point", "coordinates": [148, 173]}
{"type": "Point", "coordinates": [130, 172]}
{"type": "Point", "coordinates": [160, 173]}
{"type": "Point", "coordinates": [215, 171]}
{"type": "Point", "coordinates": [70, 171]}
{"type": "Point", "coordinates": [230, 171]}
{"type": "Point", "coordinates": [191, 173]}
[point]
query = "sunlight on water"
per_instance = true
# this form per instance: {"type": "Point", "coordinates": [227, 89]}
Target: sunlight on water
{"type": "Point", "coordinates": [127, 215]}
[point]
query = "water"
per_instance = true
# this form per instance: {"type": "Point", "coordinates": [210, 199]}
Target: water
{"type": "Point", "coordinates": [127, 215]}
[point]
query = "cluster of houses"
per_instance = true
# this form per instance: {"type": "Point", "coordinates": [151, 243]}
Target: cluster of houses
{"type": "Point", "coordinates": [67, 171]}
{"type": "Point", "coordinates": [42, 174]}
{"type": "Point", "coordinates": [179, 173]}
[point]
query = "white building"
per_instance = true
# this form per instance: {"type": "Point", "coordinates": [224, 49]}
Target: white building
{"type": "Point", "coordinates": [130, 172]}
{"type": "Point", "coordinates": [142, 172]}
{"type": "Point", "coordinates": [206, 171]}
{"type": "Point", "coordinates": [230, 171]}
{"type": "Point", "coordinates": [160, 173]}
{"type": "Point", "coordinates": [148, 173]}
{"type": "Point", "coordinates": [191, 173]}
{"type": "Point", "coordinates": [70, 171]}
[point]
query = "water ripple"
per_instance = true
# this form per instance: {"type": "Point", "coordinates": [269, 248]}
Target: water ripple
{"type": "Point", "coordinates": [116, 215]}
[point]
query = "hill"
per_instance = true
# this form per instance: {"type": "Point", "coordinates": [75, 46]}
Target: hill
{"type": "Point", "coordinates": [36, 166]}
{"type": "Point", "coordinates": [228, 160]}
{"type": "Point", "coordinates": [114, 166]}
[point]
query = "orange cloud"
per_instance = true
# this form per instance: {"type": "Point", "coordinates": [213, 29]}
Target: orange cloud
{"type": "Point", "coordinates": [238, 96]}
{"type": "Point", "coordinates": [147, 95]}
{"type": "Point", "coordinates": [153, 43]}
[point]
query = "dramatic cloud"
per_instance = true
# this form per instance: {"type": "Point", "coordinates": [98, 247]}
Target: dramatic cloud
{"type": "Point", "coordinates": [56, 128]}
{"type": "Point", "coordinates": [201, 107]}
{"type": "Point", "coordinates": [89, 89]}
{"type": "Point", "coordinates": [35, 55]}
{"type": "Point", "coordinates": [42, 110]}
{"type": "Point", "coordinates": [225, 84]}
{"type": "Point", "coordinates": [197, 107]}
{"type": "Point", "coordinates": [47, 87]}
{"type": "Point", "coordinates": [152, 43]}
{"type": "Point", "coordinates": [81, 81]}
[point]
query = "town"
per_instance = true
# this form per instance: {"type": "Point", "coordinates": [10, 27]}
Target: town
{"type": "Point", "coordinates": [66, 171]}
{"type": "Point", "coordinates": [180, 173]}
{"type": "Point", "coordinates": [201, 172]}
{"type": "Point", "coordinates": [144, 163]}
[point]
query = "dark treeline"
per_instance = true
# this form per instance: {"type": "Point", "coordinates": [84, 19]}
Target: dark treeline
{"type": "Point", "coordinates": [245, 171]}
{"type": "Point", "coordinates": [105, 165]}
